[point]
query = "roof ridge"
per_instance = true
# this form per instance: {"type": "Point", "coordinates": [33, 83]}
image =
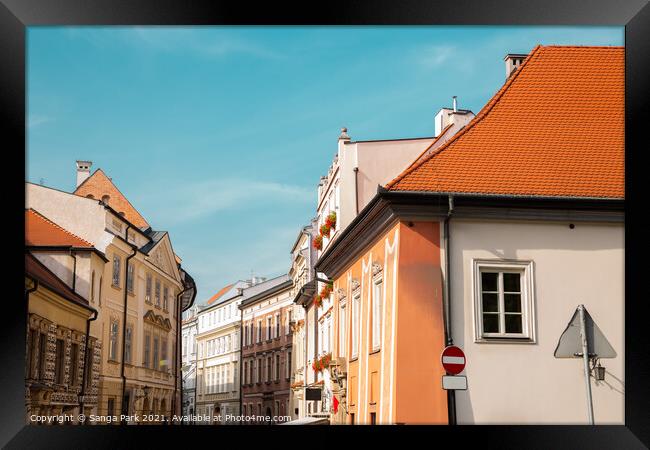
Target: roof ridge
{"type": "Point", "coordinates": [59, 227]}
{"type": "Point", "coordinates": [480, 116]}
{"type": "Point", "coordinates": [622, 47]}
{"type": "Point", "coordinates": [99, 169]}
{"type": "Point", "coordinates": [437, 138]}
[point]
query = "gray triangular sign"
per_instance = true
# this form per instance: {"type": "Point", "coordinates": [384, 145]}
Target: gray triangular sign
{"type": "Point", "coordinates": [570, 345]}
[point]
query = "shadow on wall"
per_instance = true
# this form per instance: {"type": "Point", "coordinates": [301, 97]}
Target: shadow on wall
{"type": "Point", "coordinates": [81, 286]}
{"type": "Point", "coordinates": [617, 385]}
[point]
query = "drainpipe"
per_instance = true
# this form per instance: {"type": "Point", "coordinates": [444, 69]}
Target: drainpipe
{"type": "Point", "coordinates": [446, 304]}
{"type": "Point", "coordinates": [177, 370]}
{"type": "Point", "coordinates": [88, 360]}
{"type": "Point", "coordinates": [126, 284]}
{"type": "Point", "coordinates": [74, 270]}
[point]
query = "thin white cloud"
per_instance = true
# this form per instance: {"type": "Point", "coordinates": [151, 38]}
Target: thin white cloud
{"type": "Point", "coordinates": [200, 199]}
{"type": "Point", "coordinates": [35, 120]}
{"type": "Point", "coordinates": [436, 55]}
{"type": "Point", "coordinates": [265, 254]}
{"type": "Point", "coordinates": [205, 42]}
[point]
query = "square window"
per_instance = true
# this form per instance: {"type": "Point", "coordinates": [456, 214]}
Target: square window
{"type": "Point", "coordinates": [503, 301]}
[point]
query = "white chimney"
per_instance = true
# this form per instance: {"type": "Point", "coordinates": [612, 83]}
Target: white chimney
{"type": "Point", "coordinates": [513, 61]}
{"type": "Point", "coordinates": [83, 171]}
{"type": "Point", "coordinates": [452, 116]}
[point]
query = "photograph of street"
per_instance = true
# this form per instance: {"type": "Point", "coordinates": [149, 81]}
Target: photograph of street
{"type": "Point", "coordinates": [305, 225]}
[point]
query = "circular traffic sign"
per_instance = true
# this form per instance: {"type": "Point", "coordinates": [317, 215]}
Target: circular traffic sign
{"type": "Point", "coordinates": [453, 359]}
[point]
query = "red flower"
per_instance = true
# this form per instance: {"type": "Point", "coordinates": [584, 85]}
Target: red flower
{"type": "Point", "coordinates": [318, 242]}
{"type": "Point", "coordinates": [331, 220]}
{"type": "Point", "coordinates": [325, 230]}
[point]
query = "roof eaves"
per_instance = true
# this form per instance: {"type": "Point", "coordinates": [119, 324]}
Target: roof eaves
{"type": "Point", "coordinates": [267, 293]}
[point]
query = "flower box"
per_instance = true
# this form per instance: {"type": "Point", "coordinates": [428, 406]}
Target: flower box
{"type": "Point", "coordinates": [325, 230]}
{"type": "Point", "coordinates": [318, 242]}
{"type": "Point", "coordinates": [331, 220]}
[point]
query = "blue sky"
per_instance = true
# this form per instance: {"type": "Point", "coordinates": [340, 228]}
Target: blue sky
{"type": "Point", "coordinates": [220, 134]}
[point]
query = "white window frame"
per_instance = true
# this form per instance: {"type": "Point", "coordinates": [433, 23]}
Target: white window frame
{"type": "Point", "coordinates": [287, 362]}
{"type": "Point", "coordinates": [343, 327]}
{"type": "Point", "coordinates": [148, 288]}
{"type": "Point", "coordinates": [527, 285]}
{"type": "Point", "coordinates": [377, 312]}
{"type": "Point", "coordinates": [130, 278]}
{"type": "Point", "coordinates": [354, 331]}
{"type": "Point", "coordinates": [117, 268]}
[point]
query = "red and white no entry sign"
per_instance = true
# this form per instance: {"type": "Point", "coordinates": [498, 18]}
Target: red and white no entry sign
{"type": "Point", "coordinates": [453, 359]}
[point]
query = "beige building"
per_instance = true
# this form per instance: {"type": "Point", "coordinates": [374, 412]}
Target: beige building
{"type": "Point", "coordinates": [62, 359]}
{"type": "Point", "coordinates": [136, 294]}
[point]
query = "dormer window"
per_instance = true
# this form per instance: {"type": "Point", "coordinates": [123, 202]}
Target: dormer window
{"type": "Point", "coordinates": [105, 199]}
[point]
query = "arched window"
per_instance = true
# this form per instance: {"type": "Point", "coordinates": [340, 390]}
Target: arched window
{"type": "Point", "coordinates": [106, 199]}
{"type": "Point", "coordinates": [90, 196]}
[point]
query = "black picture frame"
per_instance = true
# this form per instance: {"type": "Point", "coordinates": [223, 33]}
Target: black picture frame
{"type": "Point", "coordinates": [16, 15]}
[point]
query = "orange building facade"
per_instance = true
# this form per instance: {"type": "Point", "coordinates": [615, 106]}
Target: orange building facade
{"type": "Point", "coordinates": [390, 268]}
{"type": "Point", "coordinates": [389, 329]}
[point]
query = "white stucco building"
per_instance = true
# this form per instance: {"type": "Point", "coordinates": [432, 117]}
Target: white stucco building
{"type": "Point", "coordinates": [189, 356]}
{"type": "Point", "coordinates": [218, 354]}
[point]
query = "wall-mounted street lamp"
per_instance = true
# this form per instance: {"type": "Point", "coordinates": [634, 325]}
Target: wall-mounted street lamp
{"type": "Point", "coordinates": [599, 372]}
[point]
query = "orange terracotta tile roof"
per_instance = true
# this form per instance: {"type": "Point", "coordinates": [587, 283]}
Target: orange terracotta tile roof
{"type": "Point", "coordinates": [42, 232]}
{"type": "Point", "coordinates": [99, 185]}
{"type": "Point", "coordinates": [216, 296]}
{"type": "Point", "coordinates": [556, 128]}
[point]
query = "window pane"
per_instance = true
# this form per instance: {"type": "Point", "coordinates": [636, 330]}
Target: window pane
{"type": "Point", "coordinates": [511, 282]}
{"type": "Point", "coordinates": [490, 303]}
{"type": "Point", "coordinates": [490, 323]}
{"type": "Point", "coordinates": [489, 281]}
{"type": "Point", "coordinates": [513, 323]}
{"type": "Point", "coordinates": [512, 302]}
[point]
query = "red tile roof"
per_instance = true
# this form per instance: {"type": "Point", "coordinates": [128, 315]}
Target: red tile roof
{"type": "Point", "coordinates": [98, 185]}
{"type": "Point", "coordinates": [37, 270]}
{"type": "Point", "coordinates": [216, 296]}
{"type": "Point", "coordinates": [42, 232]}
{"type": "Point", "coordinates": [556, 128]}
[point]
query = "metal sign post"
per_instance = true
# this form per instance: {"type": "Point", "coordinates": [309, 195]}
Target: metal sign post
{"type": "Point", "coordinates": [583, 339]}
{"type": "Point", "coordinates": [585, 360]}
